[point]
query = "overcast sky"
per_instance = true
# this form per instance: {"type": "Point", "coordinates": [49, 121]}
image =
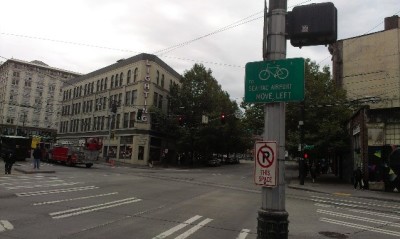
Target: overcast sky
{"type": "Point", "coordinates": [85, 35]}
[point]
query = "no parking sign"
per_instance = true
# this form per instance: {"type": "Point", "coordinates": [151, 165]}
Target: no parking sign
{"type": "Point", "coordinates": [266, 164]}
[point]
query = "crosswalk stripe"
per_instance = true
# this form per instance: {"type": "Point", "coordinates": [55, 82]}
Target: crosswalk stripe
{"type": "Point", "coordinates": [42, 186]}
{"type": "Point", "coordinates": [194, 229]}
{"type": "Point", "coordinates": [364, 219]}
{"type": "Point", "coordinates": [362, 227]}
{"type": "Point", "coordinates": [5, 225]}
{"type": "Point", "coordinates": [177, 228]}
{"type": "Point", "coordinates": [243, 234]}
{"type": "Point", "coordinates": [73, 199]}
{"type": "Point", "coordinates": [92, 208]}
{"type": "Point", "coordinates": [37, 193]}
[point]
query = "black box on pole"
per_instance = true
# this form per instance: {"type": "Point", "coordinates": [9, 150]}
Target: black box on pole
{"type": "Point", "coordinates": [313, 24]}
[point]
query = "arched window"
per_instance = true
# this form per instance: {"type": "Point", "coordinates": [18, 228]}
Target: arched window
{"type": "Point", "coordinates": [112, 82]}
{"type": "Point", "coordinates": [102, 84]}
{"type": "Point", "coordinates": [116, 80]}
{"type": "Point", "coordinates": [105, 83]}
{"type": "Point", "coordinates": [128, 78]}
{"type": "Point", "coordinates": [162, 80]}
{"type": "Point", "coordinates": [121, 79]}
{"type": "Point", "coordinates": [158, 77]}
{"type": "Point", "coordinates": [135, 74]}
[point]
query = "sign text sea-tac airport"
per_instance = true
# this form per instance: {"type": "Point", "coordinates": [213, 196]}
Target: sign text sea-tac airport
{"type": "Point", "coordinates": [274, 81]}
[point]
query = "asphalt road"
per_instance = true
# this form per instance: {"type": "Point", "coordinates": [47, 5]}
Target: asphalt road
{"type": "Point", "coordinates": [220, 202]}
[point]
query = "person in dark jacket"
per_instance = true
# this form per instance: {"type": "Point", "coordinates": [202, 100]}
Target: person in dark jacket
{"type": "Point", "coordinates": [357, 177]}
{"type": "Point", "coordinates": [37, 155]}
{"type": "Point", "coordinates": [9, 160]}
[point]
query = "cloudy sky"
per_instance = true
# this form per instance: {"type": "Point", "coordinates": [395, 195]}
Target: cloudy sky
{"type": "Point", "coordinates": [85, 35]}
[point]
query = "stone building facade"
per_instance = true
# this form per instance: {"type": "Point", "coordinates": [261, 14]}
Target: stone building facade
{"type": "Point", "coordinates": [29, 92]}
{"type": "Point", "coordinates": [112, 105]}
{"type": "Point", "coordinates": [368, 68]}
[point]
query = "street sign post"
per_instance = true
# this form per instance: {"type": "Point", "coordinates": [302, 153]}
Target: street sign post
{"type": "Point", "coordinates": [266, 164]}
{"type": "Point", "coordinates": [274, 81]}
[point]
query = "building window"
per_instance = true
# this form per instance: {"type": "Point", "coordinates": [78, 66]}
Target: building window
{"type": "Point", "coordinates": [128, 95]}
{"type": "Point", "coordinates": [105, 83]}
{"type": "Point", "coordinates": [126, 120]}
{"type": "Point", "coordinates": [98, 85]}
{"type": "Point", "coordinates": [112, 82]}
{"type": "Point", "coordinates": [128, 77]}
{"type": "Point", "coordinates": [392, 134]}
{"type": "Point", "coordinates": [158, 77]}
{"type": "Point", "coordinates": [102, 123]}
{"type": "Point", "coordinates": [101, 84]}
{"type": "Point", "coordinates": [162, 80]}
{"type": "Point", "coordinates": [155, 99]}
{"type": "Point", "coordinates": [132, 119]}
{"type": "Point", "coordinates": [134, 97]}
{"type": "Point", "coordinates": [121, 79]}
{"type": "Point", "coordinates": [160, 99]}
{"type": "Point", "coordinates": [135, 74]}
{"type": "Point", "coordinates": [116, 81]}
{"type": "Point", "coordinates": [119, 102]}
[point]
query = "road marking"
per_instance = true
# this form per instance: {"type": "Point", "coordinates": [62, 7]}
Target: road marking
{"type": "Point", "coordinates": [362, 227]}
{"type": "Point", "coordinates": [37, 193]}
{"type": "Point", "coordinates": [355, 202]}
{"type": "Point", "coordinates": [92, 208]}
{"type": "Point", "coordinates": [361, 211]}
{"type": "Point", "coordinates": [43, 186]}
{"type": "Point", "coordinates": [5, 225]}
{"type": "Point", "coordinates": [243, 234]}
{"type": "Point", "coordinates": [73, 199]}
{"type": "Point", "coordinates": [178, 227]}
{"type": "Point", "coordinates": [364, 219]}
{"type": "Point", "coordinates": [194, 229]}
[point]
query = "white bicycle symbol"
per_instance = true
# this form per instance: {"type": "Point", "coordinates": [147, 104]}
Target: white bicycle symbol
{"type": "Point", "coordinates": [275, 71]}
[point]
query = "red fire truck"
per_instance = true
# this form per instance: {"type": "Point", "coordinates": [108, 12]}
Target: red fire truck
{"type": "Point", "coordinates": [71, 155]}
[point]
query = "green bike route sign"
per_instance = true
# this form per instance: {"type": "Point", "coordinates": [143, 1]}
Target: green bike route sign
{"type": "Point", "coordinates": [274, 81]}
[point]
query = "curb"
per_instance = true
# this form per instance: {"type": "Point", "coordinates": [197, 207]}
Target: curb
{"type": "Point", "coordinates": [25, 171]}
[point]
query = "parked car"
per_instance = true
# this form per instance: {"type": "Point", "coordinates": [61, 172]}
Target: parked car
{"type": "Point", "coordinates": [213, 162]}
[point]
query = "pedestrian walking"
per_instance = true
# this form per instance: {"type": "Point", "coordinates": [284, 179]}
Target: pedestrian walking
{"type": "Point", "coordinates": [37, 155]}
{"type": "Point", "coordinates": [9, 160]}
{"type": "Point", "coordinates": [357, 178]}
{"type": "Point", "coordinates": [313, 170]}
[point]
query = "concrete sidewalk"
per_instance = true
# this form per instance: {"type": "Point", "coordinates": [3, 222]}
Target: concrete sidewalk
{"type": "Point", "coordinates": [331, 184]}
{"type": "Point", "coordinates": [26, 167]}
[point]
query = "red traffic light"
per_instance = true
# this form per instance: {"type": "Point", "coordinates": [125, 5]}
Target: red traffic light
{"type": "Point", "coordinates": [180, 120]}
{"type": "Point", "coordinates": [306, 155]}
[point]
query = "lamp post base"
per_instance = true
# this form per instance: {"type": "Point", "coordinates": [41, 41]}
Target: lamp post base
{"type": "Point", "coordinates": [272, 224]}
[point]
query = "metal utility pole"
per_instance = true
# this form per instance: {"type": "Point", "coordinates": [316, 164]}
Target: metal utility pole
{"type": "Point", "coordinates": [110, 118]}
{"type": "Point", "coordinates": [302, 162]}
{"type": "Point", "coordinates": [272, 216]}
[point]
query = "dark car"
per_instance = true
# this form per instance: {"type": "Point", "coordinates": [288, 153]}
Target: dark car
{"type": "Point", "coordinates": [213, 162]}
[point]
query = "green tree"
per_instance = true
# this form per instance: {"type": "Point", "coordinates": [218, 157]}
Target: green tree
{"type": "Point", "coordinates": [325, 114]}
{"type": "Point", "coordinates": [200, 94]}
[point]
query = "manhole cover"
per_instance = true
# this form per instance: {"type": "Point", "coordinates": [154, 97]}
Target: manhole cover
{"type": "Point", "coordinates": [333, 235]}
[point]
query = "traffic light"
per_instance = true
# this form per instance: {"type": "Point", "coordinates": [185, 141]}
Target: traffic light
{"type": "Point", "coordinates": [139, 114]}
{"type": "Point", "coordinates": [181, 120]}
{"type": "Point", "coordinates": [305, 156]}
{"type": "Point", "coordinates": [223, 118]}
{"type": "Point", "coordinates": [313, 24]}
